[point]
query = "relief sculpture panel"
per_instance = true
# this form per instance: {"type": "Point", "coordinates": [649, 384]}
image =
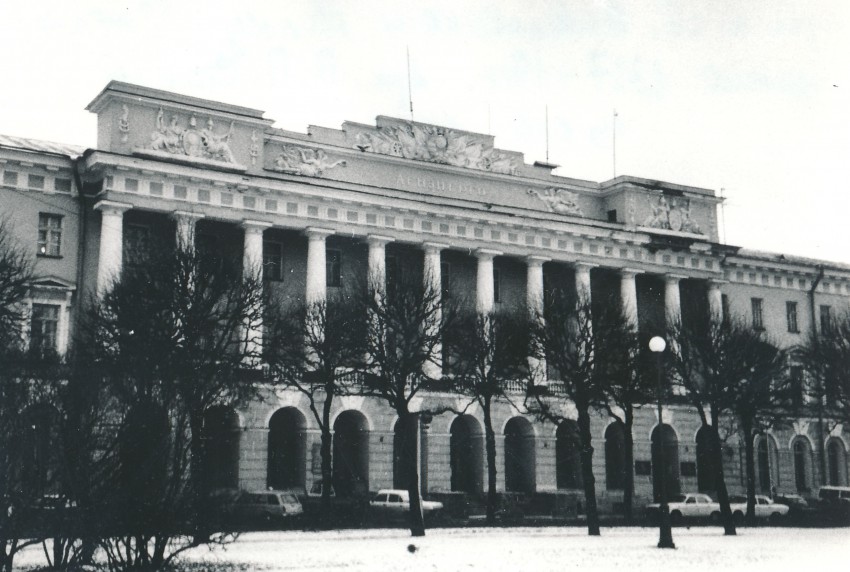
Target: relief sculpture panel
{"type": "Point", "coordinates": [205, 143]}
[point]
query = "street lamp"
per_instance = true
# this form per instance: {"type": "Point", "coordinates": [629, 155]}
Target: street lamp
{"type": "Point", "coordinates": [657, 346]}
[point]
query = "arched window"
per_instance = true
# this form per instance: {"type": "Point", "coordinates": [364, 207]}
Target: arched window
{"type": "Point", "coordinates": [706, 462]}
{"type": "Point", "coordinates": [767, 463]}
{"type": "Point", "coordinates": [802, 465]}
{"type": "Point", "coordinates": [568, 456]}
{"type": "Point", "coordinates": [287, 450]}
{"type": "Point", "coordinates": [664, 441]}
{"type": "Point", "coordinates": [466, 446]}
{"type": "Point", "coordinates": [351, 454]}
{"type": "Point", "coordinates": [221, 447]}
{"type": "Point", "coordinates": [520, 456]}
{"type": "Point", "coordinates": [837, 462]}
{"type": "Point", "coordinates": [615, 457]}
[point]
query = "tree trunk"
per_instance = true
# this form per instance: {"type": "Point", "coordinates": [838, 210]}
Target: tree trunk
{"type": "Point", "coordinates": [747, 428]}
{"type": "Point", "coordinates": [720, 476]}
{"type": "Point", "coordinates": [327, 467]}
{"type": "Point", "coordinates": [587, 470]}
{"type": "Point", "coordinates": [629, 466]}
{"type": "Point", "coordinates": [410, 432]}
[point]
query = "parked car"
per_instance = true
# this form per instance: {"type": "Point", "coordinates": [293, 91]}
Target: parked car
{"type": "Point", "coordinates": [688, 505]}
{"type": "Point", "coordinates": [266, 506]}
{"type": "Point", "coordinates": [316, 489]}
{"type": "Point", "coordinates": [765, 508]}
{"type": "Point", "coordinates": [799, 508]}
{"type": "Point", "coordinates": [396, 503]}
{"type": "Point", "coordinates": [834, 504]}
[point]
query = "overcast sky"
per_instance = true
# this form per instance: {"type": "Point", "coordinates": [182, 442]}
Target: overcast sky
{"type": "Point", "coordinates": [747, 96]}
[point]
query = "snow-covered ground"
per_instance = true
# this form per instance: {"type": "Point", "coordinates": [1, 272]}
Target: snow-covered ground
{"type": "Point", "coordinates": [538, 549]}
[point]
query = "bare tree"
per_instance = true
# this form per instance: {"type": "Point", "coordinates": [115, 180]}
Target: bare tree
{"type": "Point", "coordinates": [826, 356]}
{"type": "Point", "coordinates": [313, 348]}
{"type": "Point", "coordinates": [626, 381]}
{"type": "Point", "coordinates": [566, 336]}
{"type": "Point", "coordinates": [172, 338]}
{"type": "Point", "coordinates": [406, 323]}
{"type": "Point", "coordinates": [489, 355]}
{"type": "Point", "coordinates": [16, 269]}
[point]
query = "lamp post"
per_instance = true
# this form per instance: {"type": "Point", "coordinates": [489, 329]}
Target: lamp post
{"type": "Point", "coordinates": [657, 346]}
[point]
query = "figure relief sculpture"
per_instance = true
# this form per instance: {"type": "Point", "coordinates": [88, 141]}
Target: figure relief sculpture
{"type": "Point", "coordinates": [304, 161]}
{"type": "Point", "coordinates": [673, 214]}
{"type": "Point", "coordinates": [559, 201]}
{"type": "Point", "coordinates": [202, 143]}
{"type": "Point", "coordinates": [255, 147]}
{"type": "Point", "coordinates": [124, 123]}
{"type": "Point", "coordinates": [435, 145]}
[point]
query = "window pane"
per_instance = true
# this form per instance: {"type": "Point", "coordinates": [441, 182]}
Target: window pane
{"type": "Point", "coordinates": [49, 234]}
{"type": "Point", "coordinates": [43, 327]}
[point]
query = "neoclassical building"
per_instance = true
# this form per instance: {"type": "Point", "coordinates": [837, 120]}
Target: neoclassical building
{"type": "Point", "coordinates": [315, 209]}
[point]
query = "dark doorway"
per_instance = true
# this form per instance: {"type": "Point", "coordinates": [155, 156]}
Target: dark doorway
{"type": "Point", "coordinates": [221, 447]}
{"type": "Point", "coordinates": [664, 439]}
{"type": "Point", "coordinates": [467, 453]}
{"type": "Point", "coordinates": [287, 456]}
{"type": "Point", "coordinates": [706, 465]}
{"type": "Point", "coordinates": [351, 454]}
{"type": "Point", "coordinates": [568, 456]}
{"type": "Point", "coordinates": [520, 456]}
{"type": "Point", "coordinates": [615, 457]}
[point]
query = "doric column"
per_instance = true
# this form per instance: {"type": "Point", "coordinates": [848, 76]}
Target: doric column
{"type": "Point", "coordinates": [628, 294]}
{"type": "Point", "coordinates": [378, 261]}
{"type": "Point", "coordinates": [185, 222]}
{"type": "Point", "coordinates": [111, 255]}
{"type": "Point", "coordinates": [484, 283]}
{"type": "Point", "coordinates": [583, 281]}
{"type": "Point", "coordinates": [252, 257]}
{"type": "Point", "coordinates": [432, 274]}
{"type": "Point", "coordinates": [715, 299]}
{"type": "Point", "coordinates": [317, 281]}
{"type": "Point", "coordinates": [672, 299]}
{"type": "Point", "coordinates": [534, 303]}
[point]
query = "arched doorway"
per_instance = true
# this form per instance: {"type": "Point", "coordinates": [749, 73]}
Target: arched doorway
{"type": "Point", "coordinates": [767, 463]}
{"type": "Point", "coordinates": [837, 462]}
{"type": "Point", "coordinates": [664, 440]}
{"type": "Point", "coordinates": [287, 449]}
{"type": "Point", "coordinates": [144, 454]}
{"type": "Point", "coordinates": [615, 457]}
{"type": "Point", "coordinates": [466, 449]}
{"type": "Point", "coordinates": [520, 456]}
{"type": "Point", "coordinates": [568, 456]}
{"type": "Point", "coordinates": [221, 447]}
{"type": "Point", "coordinates": [351, 454]}
{"type": "Point", "coordinates": [802, 465]}
{"type": "Point", "coordinates": [706, 461]}
{"type": "Point", "coordinates": [405, 446]}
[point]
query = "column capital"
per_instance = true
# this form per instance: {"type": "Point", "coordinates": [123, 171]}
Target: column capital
{"type": "Point", "coordinates": [378, 240]}
{"type": "Point", "coordinates": [630, 272]}
{"type": "Point", "coordinates": [112, 207]}
{"type": "Point", "coordinates": [674, 278]}
{"type": "Point", "coordinates": [254, 226]}
{"type": "Point", "coordinates": [487, 254]}
{"type": "Point", "coordinates": [716, 282]}
{"type": "Point", "coordinates": [313, 232]}
{"type": "Point", "coordinates": [534, 260]}
{"type": "Point", "coordinates": [434, 246]}
{"type": "Point", "coordinates": [584, 266]}
{"type": "Point", "coordinates": [177, 215]}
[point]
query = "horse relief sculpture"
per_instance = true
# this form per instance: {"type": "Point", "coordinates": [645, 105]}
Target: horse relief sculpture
{"type": "Point", "coordinates": [304, 161]}
{"type": "Point", "coordinates": [201, 143]}
{"type": "Point", "coordinates": [672, 214]}
{"type": "Point", "coordinates": [559, 201]}
{"type": "Point", "coordinates": [435, 145]}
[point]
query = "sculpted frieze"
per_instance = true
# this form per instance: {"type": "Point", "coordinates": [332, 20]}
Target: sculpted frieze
{"type": "Point", "coordinates": [673, 213]}
{"type": "Point", "coordinates": [435, 145]}
{"type": "Point", "coordinates": [305, 161]}
{"type": "Point", "coordinates": [559, 201]}
{"type": "Point", "coordinates": [205, 143]}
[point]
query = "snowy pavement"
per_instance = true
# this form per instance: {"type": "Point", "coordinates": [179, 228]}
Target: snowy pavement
{"type": "Point", "coordinates": [538, 549]}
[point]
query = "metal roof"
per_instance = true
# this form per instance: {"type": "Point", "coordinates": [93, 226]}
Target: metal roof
{"type": "Point", "coordinates": [70, 151]}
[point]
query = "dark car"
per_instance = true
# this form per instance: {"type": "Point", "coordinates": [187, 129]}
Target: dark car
{"type": "Point", "coordinates": [834, 505]}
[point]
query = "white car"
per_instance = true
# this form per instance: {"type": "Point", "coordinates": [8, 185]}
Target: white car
{"type": "Point", "coordinates": [765, 507]}
{"type": "Point", "coordinates": [688, 505]}
{"type": "Point", "coordinates": [395, 502]}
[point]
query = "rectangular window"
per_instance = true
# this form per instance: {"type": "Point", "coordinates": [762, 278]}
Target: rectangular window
{"type": "Point", "coordinates": [49, 234]}
{"type": "Point", "coordinates": [333, 267]}
{"type": "Point", "coordinates": [136, 244]}
{"type": "Point", "coordinates": [825, 319]}
{"type": "Point", "coordinates": [724, 305]}
{"type": "Point", "coordinates": [791, 316]}
{"type": "Point", "coordinates": [43, 327]}
{"type": "Point", "coordinates": [272, 260]}
{"type": "Point", "coordinates": [796, 385]}
{"type": "Point", "coordinates": [758, 315]}
{"type": "Point", "coordinates": [445, 279]}
{"type": "Point", "coordinates": [35, 181]}
{"type": "Point", "coordinates": [497, 286]}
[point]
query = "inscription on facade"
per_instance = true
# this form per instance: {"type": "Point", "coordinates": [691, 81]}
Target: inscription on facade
{"type": "Point", "coordinates": [433, 184]}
